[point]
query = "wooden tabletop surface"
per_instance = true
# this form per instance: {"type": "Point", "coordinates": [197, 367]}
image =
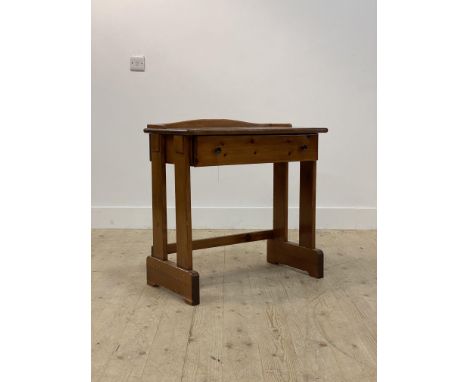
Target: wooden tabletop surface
{"type": "Point", "coordinates": [229, 127]}
{"type": "Point", "coordinates": [234, 130]}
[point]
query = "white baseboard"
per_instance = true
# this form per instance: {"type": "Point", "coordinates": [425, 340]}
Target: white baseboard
{"type": "Point", "coordinates": [235, 217]}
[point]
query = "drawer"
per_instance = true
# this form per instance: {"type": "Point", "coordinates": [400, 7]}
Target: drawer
{"type": "Point", "coordinates": [225, 150]}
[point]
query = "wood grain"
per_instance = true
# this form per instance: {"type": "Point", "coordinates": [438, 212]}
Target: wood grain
{"type": "Point", "coordinates": [280, 200]}
{"type": "Point", "coordinates": [228, 127]}
{"type": "Point", "coordinates": [227, 150]}
{"type": "Point", "coordinates": [237, 131]}
{"type": "Point", "coordinates": [307, 197]}
{"type": "Point", "coordinates": [181, 151]}
{"type": "Point", "coordinates": [288, 253]}
{"type": "Point", "coordinates": [159, 204]}
{"type": "Point", "coordinates": [209, 123]}
{"type": "Point", "coordinates": [225, 240]}
{"type": "Point", "coordinates": [167, 274]}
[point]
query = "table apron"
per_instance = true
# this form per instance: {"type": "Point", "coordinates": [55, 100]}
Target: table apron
{"type": "Point", "coordinates": [248, 149]}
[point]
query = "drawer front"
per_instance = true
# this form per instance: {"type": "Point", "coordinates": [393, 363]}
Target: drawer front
{"type": "Point", "coordinates": [225, 150]}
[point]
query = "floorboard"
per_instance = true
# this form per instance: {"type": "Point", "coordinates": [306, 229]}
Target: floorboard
{"type": "Point", "coordinates": [256, 321]}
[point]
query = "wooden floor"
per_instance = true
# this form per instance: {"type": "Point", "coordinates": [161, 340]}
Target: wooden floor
{"type": "Point", "coordinates": [255, 322]}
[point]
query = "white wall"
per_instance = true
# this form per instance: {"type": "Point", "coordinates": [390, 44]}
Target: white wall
{"type": "Point", "coordinates": [312, 63]}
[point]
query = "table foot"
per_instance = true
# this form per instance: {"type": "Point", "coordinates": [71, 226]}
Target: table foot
{"type": "Point", "coordinates": [296, 256]}
{"type": "Point", "coordinates": [167, 274]}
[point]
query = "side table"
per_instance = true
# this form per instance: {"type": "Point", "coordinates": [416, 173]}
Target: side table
{"type": "Point", "coordinates": [218, 142]}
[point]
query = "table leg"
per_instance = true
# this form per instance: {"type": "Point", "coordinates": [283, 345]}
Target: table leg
{"type": "Point", "coordinates": [280, 200]}
{"type": "Point", "coordinates": [158, 178]}
{"type": "Point", "coordinates": [183, 202]}
{"type": "Point", "coordinates": [307, 195]}
{"type": "Point", "coordinates": [307, 211]}
{"type": "Point", "coordinates": [280, 208]}
{"type": "Point", "coordinates": [184, 214]}
{"type": "Point", "coordinates": [279, 250]}
{"type": "Point", "coordinates": [178, 277]}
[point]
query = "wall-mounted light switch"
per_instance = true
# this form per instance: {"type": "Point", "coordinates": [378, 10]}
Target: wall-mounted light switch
{"type": "Point", "coordinates": [137, 63]}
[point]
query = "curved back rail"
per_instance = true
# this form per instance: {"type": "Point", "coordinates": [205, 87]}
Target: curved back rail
{"type": "Point", "coordinates": [196, 123]}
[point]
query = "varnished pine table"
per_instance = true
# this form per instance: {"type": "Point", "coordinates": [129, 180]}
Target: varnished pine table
{"type": "Point", "coordinates": [217, 142]}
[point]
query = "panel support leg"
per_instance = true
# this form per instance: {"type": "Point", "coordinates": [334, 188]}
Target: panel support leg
{"type": "Point", "coordinates": [183, 202]}
{"type": "Point", "coordinates": [279, 251]}
{"type": "Point", "coordinates": [159, 204]}
{"type": "Point", "coordinates": [178, 277]}
{"type": "Point", "coordinates": [307, 211]}
{"type": "Point", "coordinates": [280, 209]}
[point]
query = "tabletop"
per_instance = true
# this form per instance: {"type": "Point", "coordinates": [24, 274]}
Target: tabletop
{"type": "Point", "coordinates": [230, 127]}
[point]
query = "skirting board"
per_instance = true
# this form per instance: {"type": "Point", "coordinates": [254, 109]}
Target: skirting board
{"type": "Point", "coordinates": [234, 217]}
